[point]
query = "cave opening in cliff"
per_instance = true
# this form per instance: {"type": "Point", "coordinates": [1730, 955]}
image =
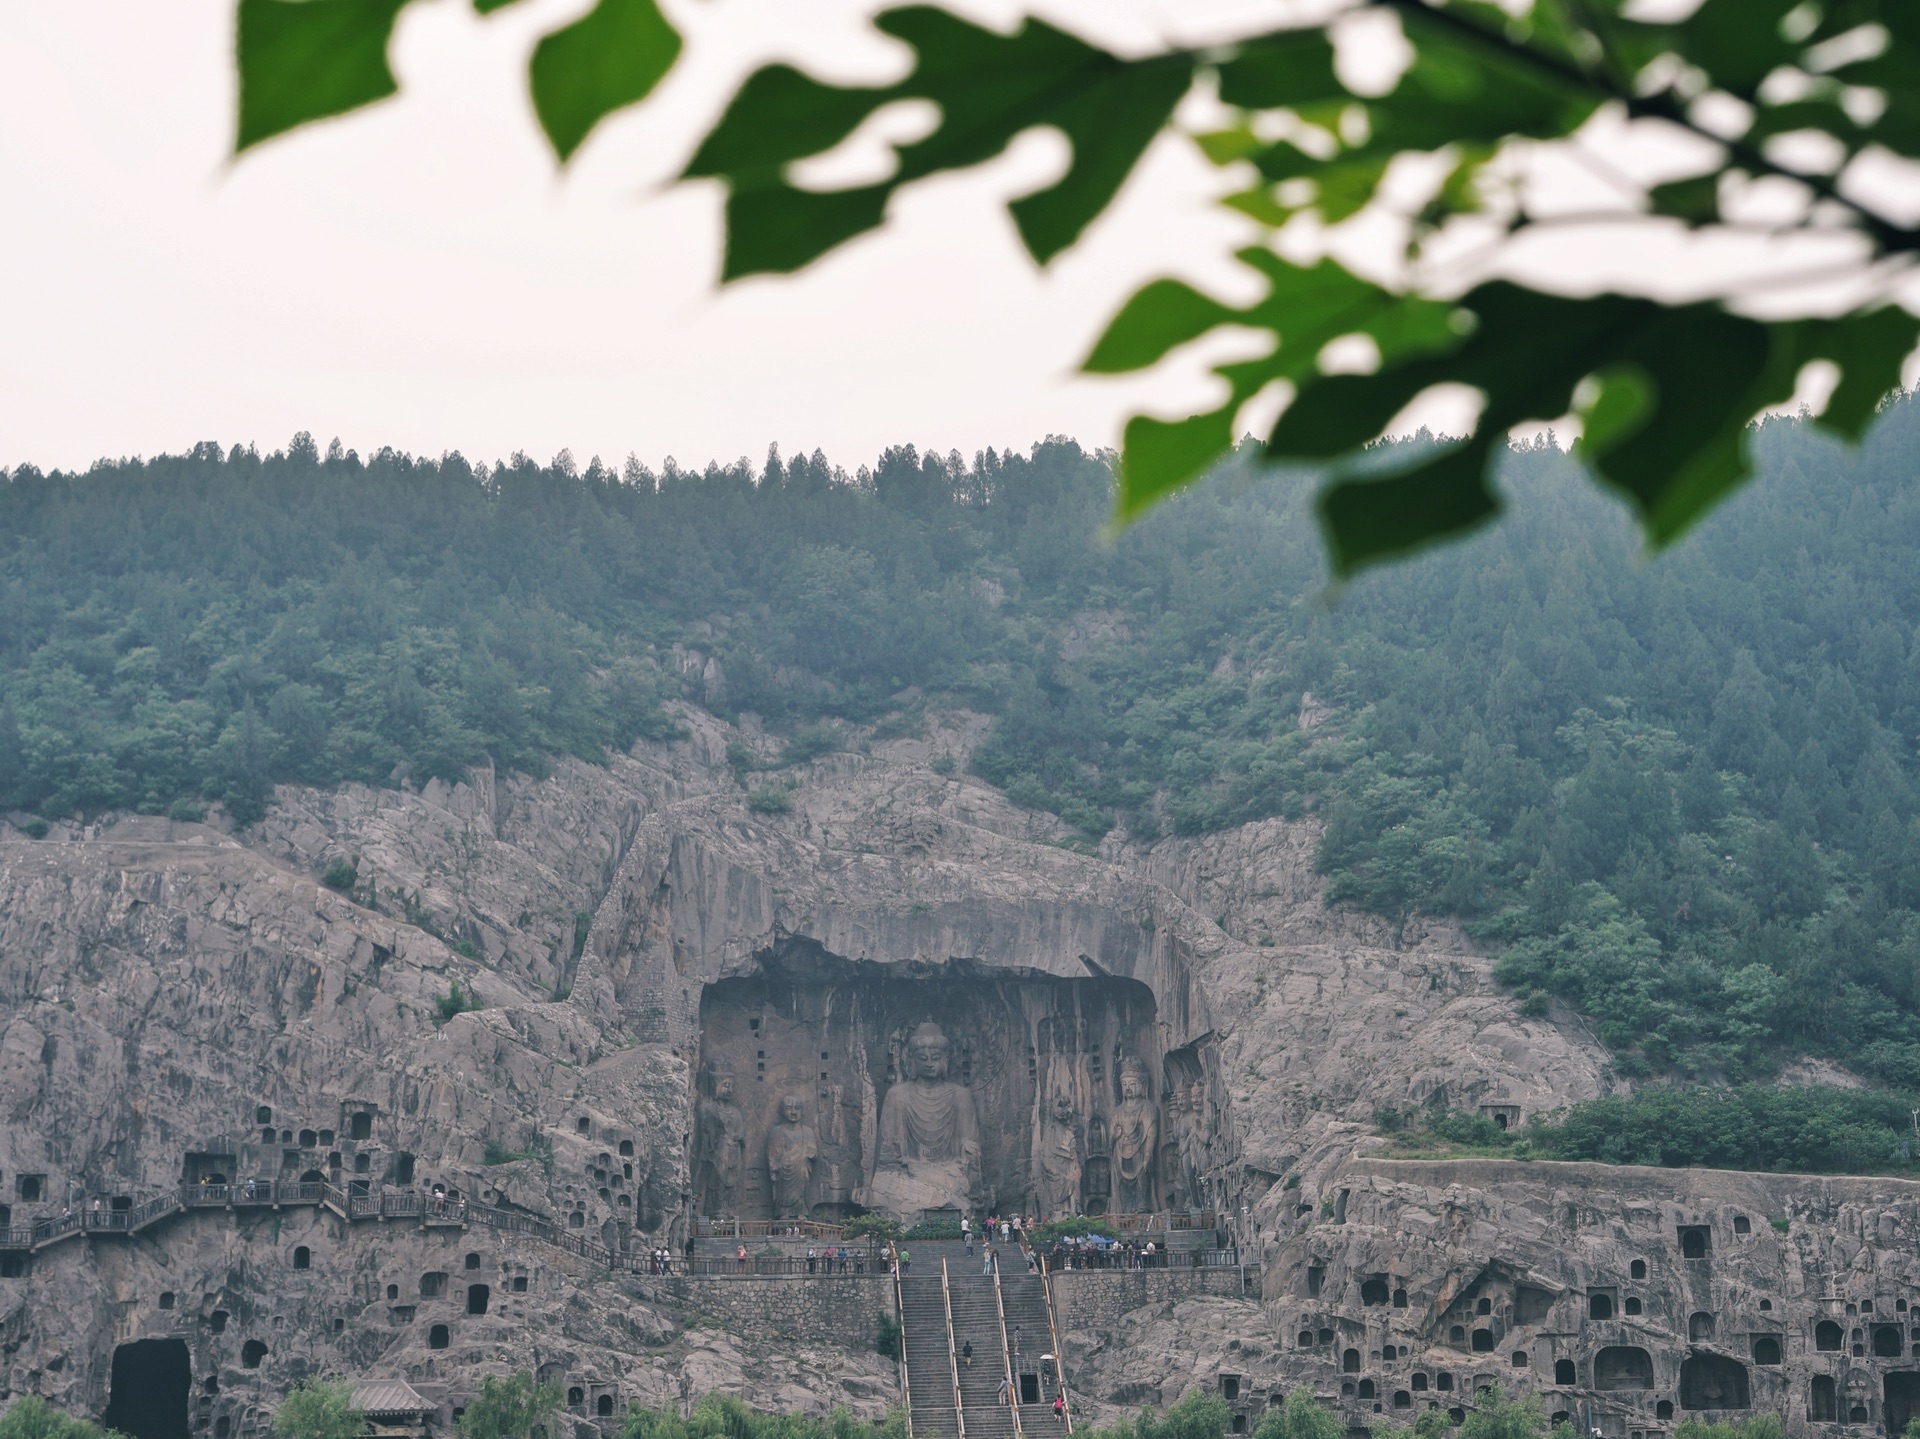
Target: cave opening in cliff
{"type": "Point", "coordinates": [1902, 1401]}
{"type": "Point", "coordinates": [1009, 1088]}
{"type": "Point", "coordinates": [147, 1390]}
{"type": "Point", "coordinates": [1713, 1381]}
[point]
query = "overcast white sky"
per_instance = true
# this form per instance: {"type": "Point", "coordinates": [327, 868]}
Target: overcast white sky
{"type": "Point", "coordinates": [420, 275]}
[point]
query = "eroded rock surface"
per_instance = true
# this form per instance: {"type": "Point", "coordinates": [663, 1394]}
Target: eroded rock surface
{"type": "Point", "coordinates": [180, 1002]}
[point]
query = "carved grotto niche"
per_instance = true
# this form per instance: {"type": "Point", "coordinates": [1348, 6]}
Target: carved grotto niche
{"type": "Point", "coordinates": [828, 1087]}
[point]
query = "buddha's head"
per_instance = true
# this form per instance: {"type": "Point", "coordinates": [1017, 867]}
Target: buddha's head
{"type": "Point", "coordinates": [791, 1108]}
{"type": "Point", "coordinates": [1063, 1105]}
{"type": "Point", "coordinates": [1133, 1081]}
{"type": "Point", "coordinates": [929, 1049]}
{"type": "Point", "coordinates": [720, 1080]}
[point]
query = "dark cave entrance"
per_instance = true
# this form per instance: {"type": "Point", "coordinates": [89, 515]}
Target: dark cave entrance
{"type": "Point", "coordinates": [1902, 1395]}
{"type": "Point", "coordinates": [148, 1394]}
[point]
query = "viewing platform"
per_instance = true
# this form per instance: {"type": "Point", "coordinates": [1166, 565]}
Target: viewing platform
{"type": "Point", "coordinates": [1181, 1241]}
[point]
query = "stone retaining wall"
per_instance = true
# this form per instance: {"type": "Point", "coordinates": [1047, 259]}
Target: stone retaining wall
{"type": "Point", "coordinates": [1100, 1299]}
{"type": "Point", "coordinates": [841, 1309]}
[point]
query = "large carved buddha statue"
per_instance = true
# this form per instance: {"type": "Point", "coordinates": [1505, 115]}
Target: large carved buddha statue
{"type": "Point", "coordinates": [1136, 1136]}
{"type": "Point", "coordinates": [720, 1143]}
{"type": "Point", "coordinates": [1056, 1157]}
{"type": "Point", "coordinates": [928, 1154]}
{"type": "Point", "coordinates": [792, 1148]}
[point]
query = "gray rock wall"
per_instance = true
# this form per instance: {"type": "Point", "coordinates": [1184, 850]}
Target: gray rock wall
{"type": "Point", "coordinates": [162, 984]}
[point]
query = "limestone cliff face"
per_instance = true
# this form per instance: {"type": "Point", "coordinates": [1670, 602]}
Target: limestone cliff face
{"type": "Point", "coordinates": [180, 1001]}
{"type": "Point", "coordinates": [1626, 1298]}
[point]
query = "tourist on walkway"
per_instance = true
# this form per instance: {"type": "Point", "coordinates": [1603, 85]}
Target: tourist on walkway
{"type": "Point", "coordinates": [741, 1255]}
{"type": "Point", "coordinates": [813, 1260]}
{"type": "Point", "coordinates": [1005, 1392]}
{"type": "Point", "coordinates": [1060, 1407]}
{"type": "Point", "coordinates": [986, 1261]}
{"type": "Point", "coordinates": [906, 1261]}
{"type": "Point", "coordinates": [966, 1353]}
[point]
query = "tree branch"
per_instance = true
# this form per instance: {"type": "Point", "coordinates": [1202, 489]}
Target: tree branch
{"type": "Point", "coordinates": [1891, 238]}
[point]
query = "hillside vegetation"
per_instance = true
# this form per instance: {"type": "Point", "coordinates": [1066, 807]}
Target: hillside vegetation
{"type": "Point", "coordinates": [1678, 792]}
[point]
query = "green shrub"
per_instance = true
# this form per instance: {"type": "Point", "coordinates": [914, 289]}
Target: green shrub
{"type": "Point", "coordinates": [31, 1417]}
{"type": "Point", "coordinates": [715, 1417]}
{"type": "Point", "coordinates": [342, 875]}
{"type": "Point", "coordinates": [1458, 1126]}
{"type": "Point", "coordinates": [935, 1229]}
{"type": "Point", "coordinates": [186, 811]}
{"type": "Point", "coordinates": [511, 1408]}
{"type": "Point", "coordinates": [872, 1226]}
{"type": "Point", "coordinates": [808, 743]}
{"type": "Point", "coordinates": [1301, 1417]}
{"type": "Point", "coordinates": [36, 828]}
{"type": "Point", "coordinates": [318, 1409]}
{"type": "Point", "coordinates": [886, 1339]}
{"type": "Point", "coordinates": [1760, 1426]}
{"type": "Point", "coordinates": [943, 763]}
{"type": "Point", "coordinates": [1078, 1225]}
{"type": "Point", "coordinates": [769, 800]}
{"type": "Point", "coordinates": [455, 1001]}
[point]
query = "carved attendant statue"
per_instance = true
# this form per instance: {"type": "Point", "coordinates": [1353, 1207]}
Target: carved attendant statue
{"type": "Point", "coordinates": [928, 1156]}
{"type": "Point", "coordinates": [1056, 1158]}
{"type": "Point", "coordinates": [1136, 1142]}
{"type": "Point", "coordinates": [720, 1143]}
{"type": "Point", "coordinates": [791, 1150]}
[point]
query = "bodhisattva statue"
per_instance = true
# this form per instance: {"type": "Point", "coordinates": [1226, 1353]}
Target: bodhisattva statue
{"type": "Point", "coordinates": [1136, 1142]}
{"type": "Point", "coordinates": [792, 1147]}
{"type": "Point", "coordinates": [1056, 1158]}
{"type": "Point", "coordinates": [720, 1138]}
{"type": "Point", "coordinates": [928, 1154]}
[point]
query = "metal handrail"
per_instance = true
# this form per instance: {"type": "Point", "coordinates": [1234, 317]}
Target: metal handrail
{"type": "Point", "coordinates": [1006, 1359]}
{"type": "Point", "coordinates": [900, 1314]}
{"type": "Point", "coordinates": [1059, 1359]}
{"type": "Point", "coordinates": [953, 1359]}
{"type": "Point", "coordinates": [766, 1229]}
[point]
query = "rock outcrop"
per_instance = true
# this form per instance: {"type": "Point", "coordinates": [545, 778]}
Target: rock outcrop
{"type": "Point", "coordinates": [503, 999]}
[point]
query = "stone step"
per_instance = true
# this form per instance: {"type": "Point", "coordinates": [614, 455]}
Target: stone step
{"type": "Point", "coordinates": [1038, 1420]}
{"type": "Point", "coordinates": [989, 1423]}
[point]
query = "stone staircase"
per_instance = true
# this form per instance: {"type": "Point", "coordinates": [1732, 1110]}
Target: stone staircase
{"type": "Point", "coordinates": [942, 1312]}
{"type": "Point", "coordinates": [923, 1323]}
{"type": "Point", "coordinates": [976, 1319]}
{"type": "Point", "coordinates": [1024, 1297]}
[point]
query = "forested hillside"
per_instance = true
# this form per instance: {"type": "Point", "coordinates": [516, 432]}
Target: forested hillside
{"type": "Point", "coordinates": [1680, 792]}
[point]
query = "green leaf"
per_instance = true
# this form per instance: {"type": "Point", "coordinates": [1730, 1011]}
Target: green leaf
{"type": "Point", "coordinates": [988, 87]}
{"type": "Point", "coordinates": [1365, 521]}
{"type": "Point", "coordinates": [1165, 314]}
{"type": "Point", "coordinates": [1346, 189]}
{"type": "Point", "coordinates": [1303, 308]}
{"type": "Point", "coordinates": [1695, 200]}
{"type": "Point", "coordinates": [1160, 456]}
{"type": "Point", "coordinates": [1869, 349]}
{"type": "Point", "coordinates": [611, 57]}
{"type": "Point", "coordinates": [1287, 69]}
{"type": "Point", "coordinates": [302, 60]}
{"type": "Point", "coordinates": [1737, 42]}
{"type": "Point", "coordinates": [1623, 398]}
{"type": "Point", "coordinates": [1701, 374]}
